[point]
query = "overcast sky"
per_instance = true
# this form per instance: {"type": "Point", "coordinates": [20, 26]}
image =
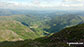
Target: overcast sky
{"type": "Point", "coordinates": [43, 4]}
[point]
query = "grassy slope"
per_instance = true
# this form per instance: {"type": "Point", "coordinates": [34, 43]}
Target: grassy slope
{"type": "Point", "coordinates": [10, 30]}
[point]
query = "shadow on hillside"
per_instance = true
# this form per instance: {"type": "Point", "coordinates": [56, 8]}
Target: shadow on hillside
{"type": "Point", "coordinates": [14, 43]}
{"type": "Point", "coordinates": [22, 43]}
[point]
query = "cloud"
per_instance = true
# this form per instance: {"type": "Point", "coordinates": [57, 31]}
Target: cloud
{"type": "Point", "coordinates": [73, 5]}
{"type": "Point", "coordinates": [66, 4]}
{"type": "Point", "coordinates": [13, 5]}
{"type": "Point", "coordinates": [74, 0]}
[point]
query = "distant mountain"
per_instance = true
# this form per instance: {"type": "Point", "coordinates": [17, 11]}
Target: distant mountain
{"type": "Point", "coordinates": [9, 12]}
{"type": "Point", "coordinates": [59, 39]}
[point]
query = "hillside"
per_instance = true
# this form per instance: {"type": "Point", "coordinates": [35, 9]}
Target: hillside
{"type": "Point", "coordinates": [58, 23]}
{"type": "Point", "coordinates": [49, 23]}
{"type": "Point", "coordinates": [59, 39]}
{"type": "Point", "coordinates": [46, 24]}
{"type": "Point", "coordinates": [14, 30]}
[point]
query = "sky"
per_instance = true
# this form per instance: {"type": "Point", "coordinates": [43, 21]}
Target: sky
{"type": "Point", "coordinates": [43, 4]}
